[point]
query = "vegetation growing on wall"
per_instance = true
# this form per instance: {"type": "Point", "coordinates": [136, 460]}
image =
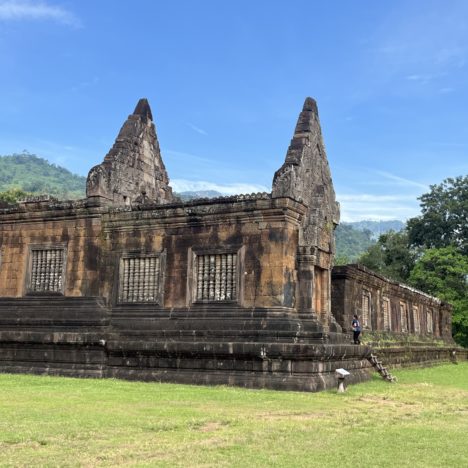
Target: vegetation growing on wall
{"type": "Point", "coordinates": [13, 195]}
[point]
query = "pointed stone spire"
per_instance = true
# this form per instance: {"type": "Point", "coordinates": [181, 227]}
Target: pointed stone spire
{"type": "Point", "coordinates": [305, 175]}
{"type": "Point", "coordinates": [134, 165]}
{"type": "Point", "coordinates": [307, 117]}
{"type": "Point", "coordinates": [143, 109]}
{"type": "Point", "coordinates": [305, 154]}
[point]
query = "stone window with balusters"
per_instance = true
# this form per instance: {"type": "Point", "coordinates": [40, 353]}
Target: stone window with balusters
{"type": "Point", "coordinates": [216, 277]}
{"type": "Point", "coordinates": [46, 269]}
{"type": "Point", "coordinates": [140, 279]}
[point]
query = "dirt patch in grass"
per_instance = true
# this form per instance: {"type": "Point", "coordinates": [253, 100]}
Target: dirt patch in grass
{"type": "Point", "coordinates": [292, 416]}
{"type": "Point", "coordinates": [211, 426]}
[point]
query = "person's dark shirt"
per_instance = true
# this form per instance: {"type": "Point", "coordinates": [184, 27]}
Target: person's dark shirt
{"type": "Point", "coordinates": [356, 325]}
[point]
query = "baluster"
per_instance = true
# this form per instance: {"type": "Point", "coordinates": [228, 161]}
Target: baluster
{"type": "Point", "coordinates": [128, 298]}
{"type": "Point", "coordinates": [55, 282]}
{"type": "Point", "coordinates": [217, 287]}
{"type": "Point", "coordinates": [43, 270]}
{"type": "Point", "coordinates": [206, 276]}
{"type": "Point", "coordinates": [132, 280]}
{"type": "Point", "coordinates": [33, 270]}
{"type": "Point", "coordinates": [138, 279]}
{"type": "Point", "coordinates": [57, 269]}
{"type": "Point", "coordinates": [228, 277]}
{"type": "Point", "coordinates": [149, 280]}
{"type": "Point", "coordinates": [200, 264]}
{"type": "Point", "coordinates": [222, 294]}
{"type": "Point", "coordinates": [234, 276]}
{"type": "Point", "coordinates": [141, 286]}
{"type": "Point", "coordinates": [52, 272]}
{"type": "Point", "coordinates": [157, 275]}
{"type": "Point", "coordinates": [123, 292]}
{"type": "Point", "coordinates": [212, 277]}
{"type": "Point", "coordinates": [147, 284]}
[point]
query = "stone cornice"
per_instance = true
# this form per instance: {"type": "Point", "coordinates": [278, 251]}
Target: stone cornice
{"type": "Point", "coordinates": [260, 208]}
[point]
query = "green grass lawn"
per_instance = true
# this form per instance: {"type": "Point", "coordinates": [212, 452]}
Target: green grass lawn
{"type": "Point", "coordinates": [422, 421]}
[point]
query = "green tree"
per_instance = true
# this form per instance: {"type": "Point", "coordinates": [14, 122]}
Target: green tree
{"type": "Point", "coordinates": [13, 195]}
{"type": "Point", "coordinates": [443, 221]}
{"type": "Point", "coordinates": [391, 256]}
{"type": "Point", "coordinates": [443, 273]}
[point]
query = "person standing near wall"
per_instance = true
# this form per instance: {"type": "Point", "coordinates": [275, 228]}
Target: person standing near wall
{"type": "Point", "coordinates": [356, 326]}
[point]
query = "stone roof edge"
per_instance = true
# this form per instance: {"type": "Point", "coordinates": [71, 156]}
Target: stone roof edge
{"type": "Point", "coordinates": [205, 200]}
{"type": "Point", "coordinates": [45, 203]}
{"type": "Point", "coordinates": [202, 201]}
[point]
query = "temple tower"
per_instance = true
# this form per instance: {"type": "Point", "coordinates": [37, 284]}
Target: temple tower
{"type": "Point", "coordinates": [133, 170]}
{"type": "Point", "coordinates": [305, 176]}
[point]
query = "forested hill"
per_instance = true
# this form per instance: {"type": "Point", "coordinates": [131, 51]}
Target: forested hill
{"type": "Point", "coordinates": [36, 175]}
{"type": "Point", "coordinates": [351, 243]}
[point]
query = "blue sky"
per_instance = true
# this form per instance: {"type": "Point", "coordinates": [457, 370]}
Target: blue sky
{"type": "Point", "coordinates": [226, 81]}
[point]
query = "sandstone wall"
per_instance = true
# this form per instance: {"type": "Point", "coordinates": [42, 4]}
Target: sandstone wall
{"type": "Point", "coordinates": [263, 232]}
{"type": "Point", "coordinates": [391, 307]}
{"type": "Point", "coordinates": [73, 226]}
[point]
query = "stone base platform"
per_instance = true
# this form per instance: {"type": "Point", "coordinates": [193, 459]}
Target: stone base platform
{"type": "Point", "coordinates": [249, 348]}
{"type": "Point", "coordinates": [419, 355]}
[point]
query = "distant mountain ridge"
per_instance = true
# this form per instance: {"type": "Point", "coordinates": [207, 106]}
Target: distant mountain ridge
{"type": "Point", "coordinates": [377, 227]}
{"type": "Point", "coordinates": [192, 195]}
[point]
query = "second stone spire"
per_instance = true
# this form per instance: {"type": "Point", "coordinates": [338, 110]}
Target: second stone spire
{"type": "Point", "coordinates": [133, 170]}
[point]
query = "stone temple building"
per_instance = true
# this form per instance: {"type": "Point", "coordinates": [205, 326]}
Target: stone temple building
{"type": "Point", "coordinates": [131, 282]}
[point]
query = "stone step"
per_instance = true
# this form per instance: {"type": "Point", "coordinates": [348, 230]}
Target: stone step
{"type": "Point", "coordinates": [383, 371]}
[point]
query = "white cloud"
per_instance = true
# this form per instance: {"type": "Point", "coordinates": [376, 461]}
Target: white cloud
{"type": "Point", "coordinates": [183, 185]}
{"type": "Point", "coordinates": [446, 90]}
{"type": "Point", "coordinates": [16, 10]}
{"type": "Point", "coordinates": [86, 84]}
{"type": "Point", "coordinates": [422, 79]}
{"type": "Point", "coordinates": [401, 180]}
{"type": "Point", "coordinates": [366, 197]}
{"type": "Point", "coordinates": [197, 129]}
{"type": "Point", "coordinates": [354, 207]}
{"type": "Point", "coordinates": [357, 207]}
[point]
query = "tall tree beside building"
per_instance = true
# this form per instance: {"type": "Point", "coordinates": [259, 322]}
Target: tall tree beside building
{"type": "Point", "coordinates": [432, 253]}
{"type": "Point", "coordinates": [444, 216]}
{"type": "Point", "coordinates": [444, 273]}
{"type": "Point", "coordinates": [391, 256]}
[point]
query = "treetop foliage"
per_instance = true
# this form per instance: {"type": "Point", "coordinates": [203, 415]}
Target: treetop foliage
{"type": "Point", "coordinates": [391, 256]}
{"type": "Point", "coordinates": [444, 218]}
